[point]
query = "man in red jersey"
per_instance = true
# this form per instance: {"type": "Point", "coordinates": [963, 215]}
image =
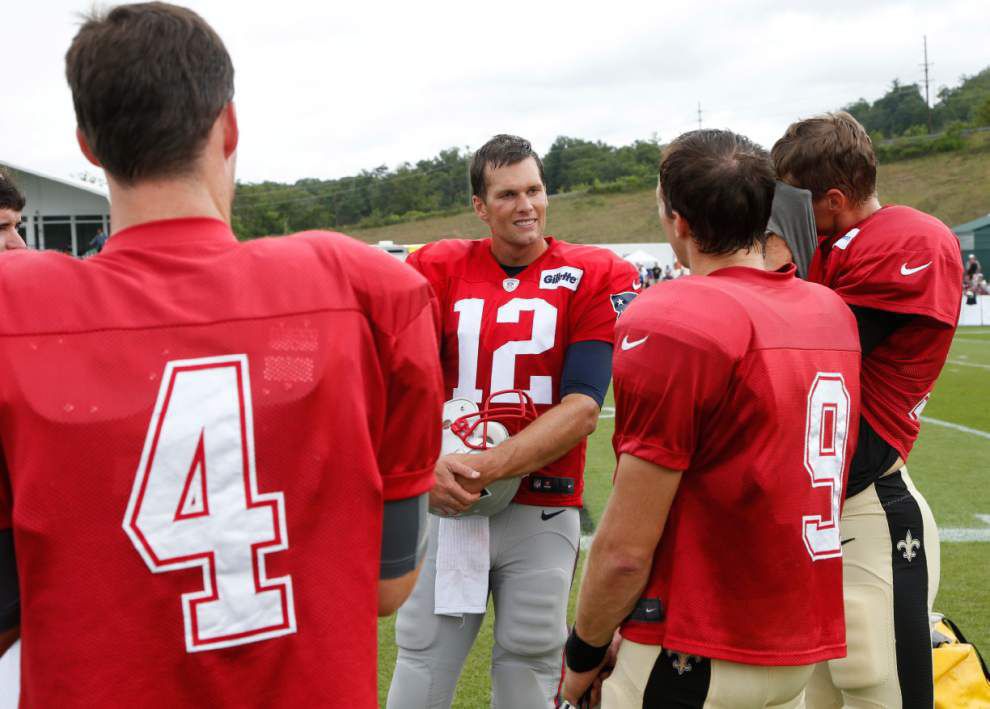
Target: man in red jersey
{"type": "Point", "coordinates": [216, 455]}
{"type": "Point", "coordinates": [900, 272]}
{"type": "Point", "coordinates": [737, 400]}
{"type": "Point", "coordinates": [519, 310]}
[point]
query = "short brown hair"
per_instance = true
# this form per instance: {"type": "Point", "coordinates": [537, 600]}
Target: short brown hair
{"type": "Point", "coordinates": [501, 150]}
{"type": "Point", "coordinates": [148, 82]}
{"type": "Point", "coordinates": [722, 184]}
{"type": "Point", "coordinates": [10, 196]}
{"type": "Point", "coordinates": [832, 151]}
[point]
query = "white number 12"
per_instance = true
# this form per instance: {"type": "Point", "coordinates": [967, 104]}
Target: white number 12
{"type": "Point", "coordinates": [470, 311]}
{"type": "Point", "coordinates": [195, 504]}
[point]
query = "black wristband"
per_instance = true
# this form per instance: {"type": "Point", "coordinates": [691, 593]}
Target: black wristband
{"type": "Point", "coordinates": [582, 657]}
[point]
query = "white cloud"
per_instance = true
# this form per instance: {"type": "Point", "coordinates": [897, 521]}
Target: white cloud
{"type": "Point", "coordinates": [328, 89]}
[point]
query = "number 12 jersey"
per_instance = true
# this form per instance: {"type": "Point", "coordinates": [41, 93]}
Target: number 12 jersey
{"type": "Point", "coordinates": [500, 332]}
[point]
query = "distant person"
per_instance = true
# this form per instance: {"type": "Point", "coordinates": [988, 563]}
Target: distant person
{"type": "Point", "coordinates": [668, 273]}
{"type": "Point", "coordinates": [899, 271]}
{"type": "Point", "coordinates": [973, 267]}
{"type": "Point", "coordinates": [99, 241]}
{"type": "Point", "coordinates": [655, 273]}
{"type": "Point", "coordinates": [11, 205]}
{"type": "Point", "coordinates": [214, 484]}
{"type": "Point", "coordinates": [717, 555]}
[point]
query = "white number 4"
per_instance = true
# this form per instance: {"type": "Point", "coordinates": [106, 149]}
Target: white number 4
{"type": "Point", "coordinates": [195, 504]}
{"type": "Point", "coordinates": [826, 432]}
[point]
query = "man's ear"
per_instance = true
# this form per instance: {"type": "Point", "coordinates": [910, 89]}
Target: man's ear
{"type": "Point", "coordinates": [231, 133]}
{"type": "Point", "coordinates": [84, 147]}
{"type": "Point", "coordinates": [681, 228]}
{"type": "Point", "coordinates": [836, 200]}
{"type": "Point", "coordinates": [479, 208]}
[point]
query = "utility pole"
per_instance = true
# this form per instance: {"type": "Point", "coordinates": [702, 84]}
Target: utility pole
{"type": "Point", "coordinates": [699, 115]}
{"type": "Point", "coordinates": [928, 103]}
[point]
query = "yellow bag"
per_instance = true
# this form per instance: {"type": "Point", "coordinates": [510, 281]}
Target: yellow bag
{"type": "Point", "coordinates": [961, 677]}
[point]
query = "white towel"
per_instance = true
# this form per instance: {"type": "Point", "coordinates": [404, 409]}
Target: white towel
{"type": "Point", "coordinates": [463, 562]}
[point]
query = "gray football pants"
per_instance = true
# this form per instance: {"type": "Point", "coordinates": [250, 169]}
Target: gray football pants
{"type": "Point", "coordinates": [532, 565]}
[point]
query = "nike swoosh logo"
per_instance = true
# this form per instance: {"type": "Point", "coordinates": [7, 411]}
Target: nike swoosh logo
{"type": "Point", "coordinates": [637, 285]}
{"type": "Point", "coordinates": [628, 344]}
{"type": "Point", "coordinates": [905, 271]}
{"type": "Point", "coordinates": [846, 541]}
{"type": "Point", "coordinates": [544, 516]}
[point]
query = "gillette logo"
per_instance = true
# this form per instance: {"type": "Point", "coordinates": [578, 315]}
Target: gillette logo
{"type": "Point", "coordinates": [563, 277]}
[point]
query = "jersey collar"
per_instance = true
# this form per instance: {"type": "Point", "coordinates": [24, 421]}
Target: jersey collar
{"type": "Point", "coordinates": [551, 246]}
{"type": "Point", "coordinates": [171, 233]}
{"type": "Point", "coordinates": [757, 275]}
{"type": "Point", "coordinates": [826, 243]}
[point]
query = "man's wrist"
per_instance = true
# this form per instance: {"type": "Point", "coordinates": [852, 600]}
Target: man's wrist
{"type": "Point", "coordinates": [582, 657]}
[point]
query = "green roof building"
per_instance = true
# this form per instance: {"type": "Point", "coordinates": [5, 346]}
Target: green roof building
{"type": "Point", "coordinates": [974, 238]}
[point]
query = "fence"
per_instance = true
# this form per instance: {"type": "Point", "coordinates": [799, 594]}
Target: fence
{"type": "Point", "coordinates": [976, 314]}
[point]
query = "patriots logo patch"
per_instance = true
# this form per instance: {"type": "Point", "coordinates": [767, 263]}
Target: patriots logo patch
{"type": "Point", "coordinates": [621, 301]}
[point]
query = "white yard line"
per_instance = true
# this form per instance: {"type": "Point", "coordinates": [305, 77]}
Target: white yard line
{"type": "Point", "coordinates": [967, 534]}
{"type": "Point", "coordinates": [971, 339]}
{"type": "Point", "coordinates": [969, 364]}
{"type": "Point", "coordinates": [608, 412]}
{"type": "Point", "coordinates": [957, 427]}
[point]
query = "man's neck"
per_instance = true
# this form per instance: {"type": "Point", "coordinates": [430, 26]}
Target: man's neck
{"type": "Point", "coordinates": [703, 264]}
{"type": "Point", "coordinates": [855, 215]}
{"type": "Point", "coordinates": [512, 255]}
{"type": "Point", "coordinates": [165, 199]}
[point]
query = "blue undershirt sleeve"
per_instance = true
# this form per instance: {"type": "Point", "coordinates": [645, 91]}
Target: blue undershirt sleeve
{"type": "Point", "coordinates": [587, 369]}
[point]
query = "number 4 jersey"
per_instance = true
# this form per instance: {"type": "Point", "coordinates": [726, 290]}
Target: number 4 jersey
{"type": "Point", "coordinates": [500, 332]}
{"type": "Point", "coordinates": [198, 436]}
{"type": "Point", "coordinates": [748, 381]}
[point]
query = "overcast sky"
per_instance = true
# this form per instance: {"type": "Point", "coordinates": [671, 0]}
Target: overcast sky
{"type": "Point", "coordinates": [326, 89]}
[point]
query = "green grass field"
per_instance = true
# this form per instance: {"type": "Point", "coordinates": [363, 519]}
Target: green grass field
{"type": "Point", "coordinates": [951, 467]}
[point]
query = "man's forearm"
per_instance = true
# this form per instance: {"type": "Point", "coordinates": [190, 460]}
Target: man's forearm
{"type": "Point", "coordinates": [543, 441]}
{"type": "Point", "coordinates": [611, 587]}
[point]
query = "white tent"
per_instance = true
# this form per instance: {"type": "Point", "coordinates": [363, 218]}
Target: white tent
{"type": "Point", "coordinates": [642, 258]}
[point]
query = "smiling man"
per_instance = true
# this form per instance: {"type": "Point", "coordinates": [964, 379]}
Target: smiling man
{"type": "Point", "coordinates": [519, 311]}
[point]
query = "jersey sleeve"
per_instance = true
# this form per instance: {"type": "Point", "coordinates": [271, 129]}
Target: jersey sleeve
{"type": "Point", "coordinates": [603, 299]}
{"type": "Point", "coordinates": [921, 276]}
{"type": "Point", "coordinates": [667, 379]}
{"type": "Point", "coordinates": [410, 441]}
{"type": "Point", "coordinates": [401, 310]}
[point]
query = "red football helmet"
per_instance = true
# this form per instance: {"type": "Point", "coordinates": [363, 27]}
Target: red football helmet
{"type": "Point", "coordinates": [492, 411]}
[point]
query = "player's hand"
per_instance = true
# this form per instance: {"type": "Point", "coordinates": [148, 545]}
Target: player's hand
{"type": "Point", "coordinates": [447, 494]}
{"type": "Point", "coordinates": [584, 689]}
{"type": "Point", "coordinates": [577, 687]}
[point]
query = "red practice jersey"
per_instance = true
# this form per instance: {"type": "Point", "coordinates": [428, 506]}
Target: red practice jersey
{"type": "Point", "coordinates": [903, 261]}
{"type": "Point", "coordinates": [748, 381]}
{"type": "Point", "coordinates": [502, 333]}
{"type": "Point", "coordinates": [198, 436]}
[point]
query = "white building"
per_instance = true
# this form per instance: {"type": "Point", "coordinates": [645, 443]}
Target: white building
{"type": "Point", "coordinates": [61, 213]}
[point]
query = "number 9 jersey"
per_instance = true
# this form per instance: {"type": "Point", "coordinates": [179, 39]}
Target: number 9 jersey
{"type": "Point", "coordinates": [748, 382]}
{"type": "Point", "coordinates": [500, 332]}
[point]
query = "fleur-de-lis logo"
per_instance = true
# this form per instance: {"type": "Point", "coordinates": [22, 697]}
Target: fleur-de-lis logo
{"type": "Point", "coordinates": [908, 545]}
{"type": "Point", "coordinates": [682, 662]}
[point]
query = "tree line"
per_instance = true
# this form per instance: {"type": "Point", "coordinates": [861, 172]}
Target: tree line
{"type": "Point", "coordinates": [439, 185]}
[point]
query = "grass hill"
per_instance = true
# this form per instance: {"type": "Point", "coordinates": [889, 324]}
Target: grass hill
{"type": "Point", "coordinates": [955, 187]}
